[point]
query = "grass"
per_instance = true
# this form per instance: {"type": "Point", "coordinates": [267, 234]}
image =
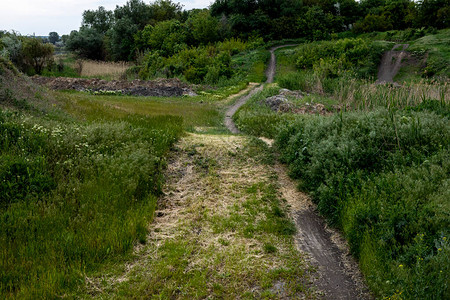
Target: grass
{"type": "Point", "coordinates": [80, 176]}
{"type": "Point", "coordinates": [232, 240]}
{"type": "Point", "coordinates": [193, 112]}
{"type": "Point", "coordinates": [101, 69]}
{"type": "Point", "coordinates": [377, 170]}
{"type": "Point", "coordinates": [382, 178]}
{"type": "Point", "coordinates": [74, 195]}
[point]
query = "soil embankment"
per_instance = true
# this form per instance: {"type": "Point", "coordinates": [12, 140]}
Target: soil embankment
{"type": "Point", "coordinates": [391, 63]}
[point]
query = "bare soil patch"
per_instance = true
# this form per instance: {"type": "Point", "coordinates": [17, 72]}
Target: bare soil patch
{"type": "Point", "coordinates": [392, 62]}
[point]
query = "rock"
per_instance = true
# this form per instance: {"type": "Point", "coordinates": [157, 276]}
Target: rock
{"type": "Point", "coordinates": [295, 94]}
{"type": "Point", "coordinates": [279, 103]}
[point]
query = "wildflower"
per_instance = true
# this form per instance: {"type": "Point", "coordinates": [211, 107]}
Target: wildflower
{"type": "Point", "coordinates": [400, 266]}
{"type": "Point", "coordinates": [440, 249]}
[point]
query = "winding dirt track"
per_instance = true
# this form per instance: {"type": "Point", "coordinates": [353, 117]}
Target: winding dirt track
{"type": "Point", "coordinates": [270, 74]}
{"type": "Point", "coordinates": [339, 275]}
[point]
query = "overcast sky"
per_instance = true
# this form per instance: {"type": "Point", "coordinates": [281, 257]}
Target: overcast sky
{"type": "Point", "coordinates": [43, 16]}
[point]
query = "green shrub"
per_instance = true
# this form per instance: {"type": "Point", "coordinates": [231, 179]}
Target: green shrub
{"type": "Point", "coordinates": [333, 58]}
{"type": "Point", "coordinates": [382, 177]}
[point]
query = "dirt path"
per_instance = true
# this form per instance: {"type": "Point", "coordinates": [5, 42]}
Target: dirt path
{"type": "Point", "coordinates": [339, 275]}
{"type": "Point", "coordinates": [391, 63]}
{"type": "Point", "coordinates": [270, 74]}
{"type": "Point", "coordinates": [221, 231]}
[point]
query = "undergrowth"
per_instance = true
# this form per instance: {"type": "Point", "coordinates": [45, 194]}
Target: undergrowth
{"type": "Point", "coordinates": [382, 177]}
{"type": "Point", "coordinates": [73, 195]}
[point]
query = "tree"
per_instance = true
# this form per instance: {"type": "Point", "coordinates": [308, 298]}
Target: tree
{"type": "Point", "coordinates": [64, 38]}
{"type": "Point", "coordinates": [131, 18]}
{"type": "Point", "coordinates": [203, 27]}
{"type": "Point", "coordinates": [100, 19]}
{"type": "Point", "coordinates": [36, 54]}
{"type": "Point", "coordinates": [433, 13]}
{"type": "Point", "coordinates": [372, 23]}
{"type": "Point", "coordinates": [53, 37]}
{"type": "Point", "coordinates": [87, 43]}
{"type": "Point", "coordinates": [168, 37]}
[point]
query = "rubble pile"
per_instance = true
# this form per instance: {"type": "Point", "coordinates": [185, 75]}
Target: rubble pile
{"type": "Point", "coordinates": [160, 88]}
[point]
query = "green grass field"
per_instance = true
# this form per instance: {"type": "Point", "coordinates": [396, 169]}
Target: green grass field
{"type": "Point", "coordinates": [81, 174]}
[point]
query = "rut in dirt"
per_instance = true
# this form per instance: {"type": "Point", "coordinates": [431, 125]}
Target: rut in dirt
{"type": "Point", "coordinates": [339, 274]}
{"type": "Point", "coordinates": [391, 63]}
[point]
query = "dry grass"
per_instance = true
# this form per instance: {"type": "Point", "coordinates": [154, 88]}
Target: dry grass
{"type": "Point", "coordinates": [112, 70]}
{"type": "Point", "coordinates": [366, 96]}
{"type": "Point", "coordinates": [198, 246]}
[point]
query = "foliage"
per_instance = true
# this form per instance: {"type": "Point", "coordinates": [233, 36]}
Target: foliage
{"type": "Point", "coordinates": [203, 27]}
{"type": "Point", "coordinates": [168, 37]}
{"type": "Point", "coordinates": [331, 59]}
{"type": "Point", "coordinates": [36, 55]}
{"type": "Point", "coordinates": [62, 183]}
{"type": "Point", "coordinates": [204, 64]}
{"type": "Point", "coordinates": [381, 177]}
{"type": "Point", "coordinates": [87, 43]}
{"type": "Point", "coordinates": [53, 37]}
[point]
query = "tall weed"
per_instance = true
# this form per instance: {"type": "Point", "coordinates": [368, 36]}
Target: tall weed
{"type": "Point", "coordinates": [382, 177]}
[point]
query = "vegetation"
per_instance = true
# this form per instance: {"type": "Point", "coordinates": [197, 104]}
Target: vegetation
{"type": "Point", "coordinates": [30, 55]}
{"type": "Point", "coordinates": [381, 177]}
{"type": "Point", "coordinates": [63, 179]}
{"type": "Point", "coordinates": [208, 64]}
{"type": "Point", "coordinates": [233, 240]}
{"type": "Point", "coordinates": [377, 169]}
{"type": "Point", "coordinates": [163, 26]}
{"type": "Point", "coordinates": [81, 174]}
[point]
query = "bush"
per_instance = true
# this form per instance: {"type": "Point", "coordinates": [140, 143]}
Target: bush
{"type": "Point", "coordinates": [334, 58]}
{"type": "Point", "coordinates": [382, 177]}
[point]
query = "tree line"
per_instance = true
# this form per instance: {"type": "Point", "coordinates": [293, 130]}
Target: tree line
{"type": "Point", "coordinates": [164, 26]}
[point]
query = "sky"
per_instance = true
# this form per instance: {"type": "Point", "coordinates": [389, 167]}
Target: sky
{"type": "Point", "coordinates": [40, 17]}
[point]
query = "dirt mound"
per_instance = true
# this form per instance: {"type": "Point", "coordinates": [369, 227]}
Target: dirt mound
{"type": "Point", "coordinates": [18, 92]}
{"type": "Point", "coordinates": [159, 88]}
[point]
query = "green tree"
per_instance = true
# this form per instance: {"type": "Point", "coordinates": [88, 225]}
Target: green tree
{"type": "Point", "coordinates": [203, 27]}
{"type": "Point", "coordinates": [87, 43]}
{"type": "Point", "coordinates": [131, 18]}
{"type": "Point", "coordinates": [397, 12]}
{"type": "Point", "coordinates": [433, 13]}
{"type": "Point", "coordinates": [53, 37]}
{"type": "Point", "coordinates": [37, 55]}
{"type": "Point", "coordinates": [372, 23]}
{"type": "Point", "coordinates": [100, 19]}
{"type": "Point", "coordinates": [167, 37]}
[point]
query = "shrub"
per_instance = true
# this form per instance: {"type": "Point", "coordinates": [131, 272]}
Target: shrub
{"type": "Point", "coordinates": [382, 177]}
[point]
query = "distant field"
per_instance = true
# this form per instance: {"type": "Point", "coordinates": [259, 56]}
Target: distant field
{"type": "Point", "coordinates": [111, 70]}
